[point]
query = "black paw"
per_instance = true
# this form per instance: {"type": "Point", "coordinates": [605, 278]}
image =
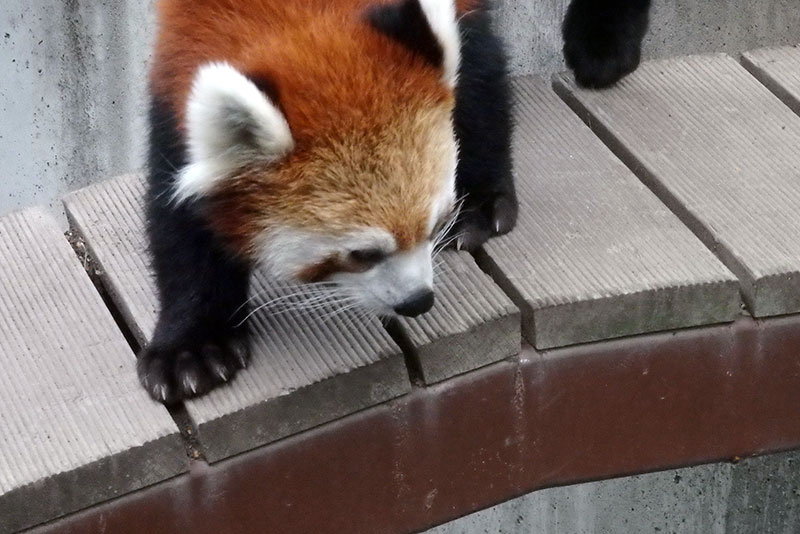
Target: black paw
{"type": "Point", "coordinates": [602, 43]}
{"type": "Point", "coordinates": [172, 372]}
{"type": "Point", "coordinates": [477, 223]}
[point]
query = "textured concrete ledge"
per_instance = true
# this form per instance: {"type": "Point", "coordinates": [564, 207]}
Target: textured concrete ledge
{"type": "Point", "coordinates": [472, 324]}
{"type": "Point", "coordinates": [305, 370]}
{"type": "Point", "coordinates": [779, 70]}
{"type": "Point", "coordinates": [75, 427]}
{"type": "Point", "coordinates": [595, 254]}
{"type": "Point", "coordinates": [722, 152]}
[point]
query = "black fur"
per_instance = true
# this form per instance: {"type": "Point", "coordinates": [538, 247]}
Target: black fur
{"type": "Point", "coordinates": [483, 124]}
{"type": "Point", "coordinates": [603, 39]}
{"type": "Point", "coordinates": [201, 285]}
{"type": "Point", "coordinates": [406, 23]}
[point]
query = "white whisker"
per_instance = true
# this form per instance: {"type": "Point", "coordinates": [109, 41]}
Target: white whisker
{"type": "Point", "coordinates": [445, 230]}
{"type": "Point", "coordinates": [306, 298]}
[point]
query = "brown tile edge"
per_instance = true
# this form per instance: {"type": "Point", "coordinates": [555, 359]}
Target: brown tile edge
{"type": "Point", "coordinates": [543, 419]}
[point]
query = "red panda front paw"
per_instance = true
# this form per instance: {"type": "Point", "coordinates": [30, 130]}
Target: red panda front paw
{"type": "Point", "coordinates": [479, 223]}
{"type": "Point", "coordinates": [173, 372]}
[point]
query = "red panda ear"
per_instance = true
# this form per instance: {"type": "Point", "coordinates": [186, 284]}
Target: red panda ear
{"type": "Point", "coordinates": [428, 27]}
{"type": "Point", "coordinates": [230, 124]}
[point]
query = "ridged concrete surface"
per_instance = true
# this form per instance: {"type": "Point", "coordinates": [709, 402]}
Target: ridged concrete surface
{"type": "Point", "coordinates": [722, 151]}
{"type": "Point", "coordinates": [306, 369]}
{"type": "Point", "coordinates": [595, 254]}
{"type": "Point", "coordinates": [779, 69]}
{"type": "Point", "coordinates": [75, 427]}
{"type": "Point", "coordinates": [472, 324]}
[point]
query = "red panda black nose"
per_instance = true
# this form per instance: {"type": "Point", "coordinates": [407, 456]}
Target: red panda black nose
{"type": "Point", "coordinates": [419, 303]}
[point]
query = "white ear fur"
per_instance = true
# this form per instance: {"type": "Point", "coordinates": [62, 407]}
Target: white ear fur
{"type": "Point", "coordinates": [441, 16]}
{"type": "Point", "coordinates": [230, 123]}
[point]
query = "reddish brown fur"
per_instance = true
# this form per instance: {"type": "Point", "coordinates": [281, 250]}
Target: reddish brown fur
{"type": "Point", "coordinates": [247, 33]}
{"type": "Point", "coordinates": [325, 268]}
{"type": "Point", "coordinates": [361, 108]}
{"type": "Point", "coordinates": [321, 270]}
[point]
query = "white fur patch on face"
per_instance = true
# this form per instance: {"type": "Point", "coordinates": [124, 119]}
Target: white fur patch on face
{"type": "Point", "coordinates": [392, 282]}
{"type": "Point", "coordinates": [288, 251]}
{"type": "Point", "coordinates": [441, 16]}
{"type": "Point", "coordinates": [380, 289]}
{"type": "Point", "coordinates": [230, 123]}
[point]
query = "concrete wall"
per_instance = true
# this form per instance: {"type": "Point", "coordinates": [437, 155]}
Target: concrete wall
{"type": "Point", "coordinates": [72, 100]}
{"type": "Point", "coordinates": [71, 95]}
{"type": "Point", "coordinates": [756, 496]}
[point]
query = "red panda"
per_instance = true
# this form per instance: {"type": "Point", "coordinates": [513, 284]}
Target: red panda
{"type": "Point", "coordinates": [327, 140]}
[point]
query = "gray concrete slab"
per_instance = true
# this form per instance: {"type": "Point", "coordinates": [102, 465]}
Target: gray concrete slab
{"type": "Point", "coordinates": [755, 496]}
{"type": "Point", "coordinates": [306, 369]}
{"type": "Point", "coordinates": [75, 427]}
{"type": "Point", "coordinates": [472, 324]}
{"type": "Point", "coordinates": [595, 254]}
{"type": "Point", "coordinates": [777, 68]}
{"type": "Point", "coordinates": [721, 151]}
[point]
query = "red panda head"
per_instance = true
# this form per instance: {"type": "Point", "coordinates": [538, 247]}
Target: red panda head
{"type": "Point", "coordinates": [325, 149]}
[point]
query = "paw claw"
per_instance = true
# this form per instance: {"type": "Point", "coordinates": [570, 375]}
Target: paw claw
{"type": "Point", "coordinates": [504, 213]}
{"type": "Point", "coordinates": [479, 223]}
{"type": "Point", "coordinates": [171, 375]}
{"type": "Point", "coordinates": [221, 372]}
{"type": "Point", "coordinates": [241, 353]}
{"type": "Point", "coordinates": [190, 383]}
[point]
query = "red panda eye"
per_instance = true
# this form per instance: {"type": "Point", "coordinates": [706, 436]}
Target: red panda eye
{"type": "Point", "coordinates": [368, 256]}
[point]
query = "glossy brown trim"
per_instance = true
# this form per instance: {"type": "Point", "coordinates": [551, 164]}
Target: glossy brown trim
{"type": "Point", "coordinates": [575, 414]}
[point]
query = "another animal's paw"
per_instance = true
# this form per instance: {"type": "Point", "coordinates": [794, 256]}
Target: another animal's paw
{"type": "Point", "coordinates": [597, 71]}
{"type": "Point", "coordinates": [477, 223]}
{"type": "Point", "coordinates": [176, 371]}
{"type": "Point", "coordinates": [601, 48]}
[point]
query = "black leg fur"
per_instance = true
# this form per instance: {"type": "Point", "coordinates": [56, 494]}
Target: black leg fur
{"type": "Point", "coordinates": [483, 124]}
{"type": "Point", "coordinates": [603, 39]}
{"type": "Point", "coordinates": [198, 342]}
